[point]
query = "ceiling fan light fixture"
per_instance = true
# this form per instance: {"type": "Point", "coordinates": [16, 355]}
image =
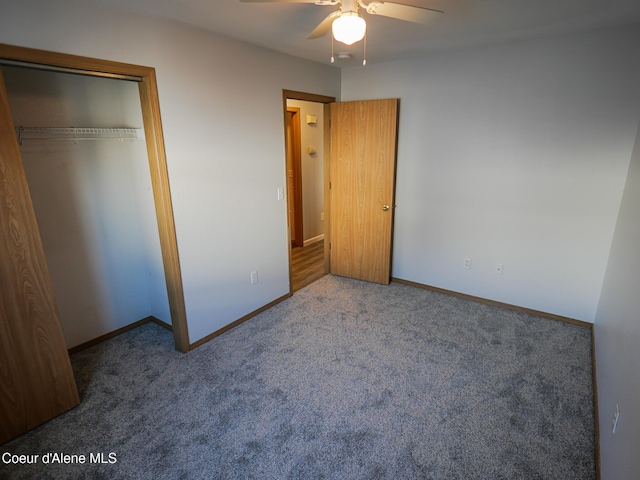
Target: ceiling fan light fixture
{"type": "Point", "coordinates": [349, 28]}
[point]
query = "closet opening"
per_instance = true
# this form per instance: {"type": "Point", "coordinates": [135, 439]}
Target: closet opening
{"type": "Point", "coordinates": [88, 149]}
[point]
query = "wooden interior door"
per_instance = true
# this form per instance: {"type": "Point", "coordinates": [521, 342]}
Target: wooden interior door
{"type": "Point", "coordinates": [362, 180]}
{"type": "Point", "coordinates": [36, 379]}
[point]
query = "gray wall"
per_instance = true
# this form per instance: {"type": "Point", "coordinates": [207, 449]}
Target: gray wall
{"type": "Point", "coordinates": [514, 154]}
{"type": "Point", "coordinates": [221, 105]}
{"type": "Point", "coordinates": [519, 154]}
{"type": "Point", "coordinates": [617, 334]}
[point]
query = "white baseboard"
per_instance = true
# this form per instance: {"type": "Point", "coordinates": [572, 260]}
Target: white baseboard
{"type": "Point", "coordinates": [313, 240]}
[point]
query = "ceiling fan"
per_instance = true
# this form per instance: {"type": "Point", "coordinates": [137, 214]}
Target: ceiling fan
{"type": "Point", "coordinates": [347, 24]}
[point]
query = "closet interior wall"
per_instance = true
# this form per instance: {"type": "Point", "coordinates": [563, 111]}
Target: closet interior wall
{"type": "Point", "coordinates": [93, 201]}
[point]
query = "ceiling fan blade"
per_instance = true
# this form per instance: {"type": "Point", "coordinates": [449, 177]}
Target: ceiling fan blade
{"type": "Point", "coordinates": [278, 1]}
{"type": "Point", "coordinates": [325, 26]}
{"type": "Point", "coordinates": [404, 12]}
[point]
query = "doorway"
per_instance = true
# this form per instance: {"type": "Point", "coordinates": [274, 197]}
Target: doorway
{"type": "Point", "coordinates": [307, 147]}
{"type": "Point", "coordinates": [147, 89]}
{"type": "Point", "coordinates": [91, 191]}
{"type": "Point", "coordinates": [359, 185]}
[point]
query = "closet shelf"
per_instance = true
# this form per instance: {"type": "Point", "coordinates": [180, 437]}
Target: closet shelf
{"type": "Point", "coordinates": [75, 133]}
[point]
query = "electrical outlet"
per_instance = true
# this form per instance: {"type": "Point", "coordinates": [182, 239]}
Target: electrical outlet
{"type": "Point", "coordinates": [614, 420]}
{"type": "Point", "coordinates": [254, 277]}
{"type": "Point", "coordinates": [499, 268]}
{"type": "Point", "coordinates": [466, 264]}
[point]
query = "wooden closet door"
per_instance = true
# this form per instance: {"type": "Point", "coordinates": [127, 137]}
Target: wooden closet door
{"type": "Point", "coordinates": [36, 379]}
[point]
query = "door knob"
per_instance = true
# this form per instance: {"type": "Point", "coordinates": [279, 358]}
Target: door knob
{"type": "Point", "coordinates": [385, 207]}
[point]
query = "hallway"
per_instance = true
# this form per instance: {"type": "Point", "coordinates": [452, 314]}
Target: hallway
{"type": "Point", "coordinates": [307, 265]}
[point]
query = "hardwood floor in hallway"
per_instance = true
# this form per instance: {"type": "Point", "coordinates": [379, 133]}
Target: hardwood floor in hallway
{"type": "Point", "coordinates": [307, 264]}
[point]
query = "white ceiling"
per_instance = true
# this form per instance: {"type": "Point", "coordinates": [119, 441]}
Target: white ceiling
{"type": "Point", "coordinates": [284, 27]}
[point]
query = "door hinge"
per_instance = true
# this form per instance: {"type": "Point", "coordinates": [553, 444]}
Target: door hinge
{"type": "Point", "coordinates": [329, 185]}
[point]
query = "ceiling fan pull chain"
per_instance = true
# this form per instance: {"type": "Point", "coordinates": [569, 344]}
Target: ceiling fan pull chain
{"type": "Point", "coordinates": [364, 59]}
{"type": "Point", "coordinates": [332, 59]}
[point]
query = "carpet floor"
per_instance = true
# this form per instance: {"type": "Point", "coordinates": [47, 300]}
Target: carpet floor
{"type": "Point", "coordinates": [344, 380]}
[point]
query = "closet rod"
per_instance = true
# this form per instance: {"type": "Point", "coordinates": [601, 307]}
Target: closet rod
{"type": "Point", "coordinates": [75, 133]}
{"type": "Point", "coordinates": [75, 71]}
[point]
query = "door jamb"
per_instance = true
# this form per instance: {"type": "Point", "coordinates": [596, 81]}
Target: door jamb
{"type": "Point", "coordinates": [295, 181]}
{"type": "Point", "coordinates": [150, 104]}
{"type": "Point", "coordinates": [326, 100]}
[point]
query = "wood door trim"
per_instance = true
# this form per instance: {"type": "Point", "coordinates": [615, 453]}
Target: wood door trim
{"type": "Point", "coordinates": [296, 161]}
{"type": "Point", "coordinates": [312, 97]}
{"type": "Point", "coordinates": [157, 162]}
{"type": "Point", "coordinates": [90, 66]}
{"type": "Point", "coordinates": [306, 97]}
